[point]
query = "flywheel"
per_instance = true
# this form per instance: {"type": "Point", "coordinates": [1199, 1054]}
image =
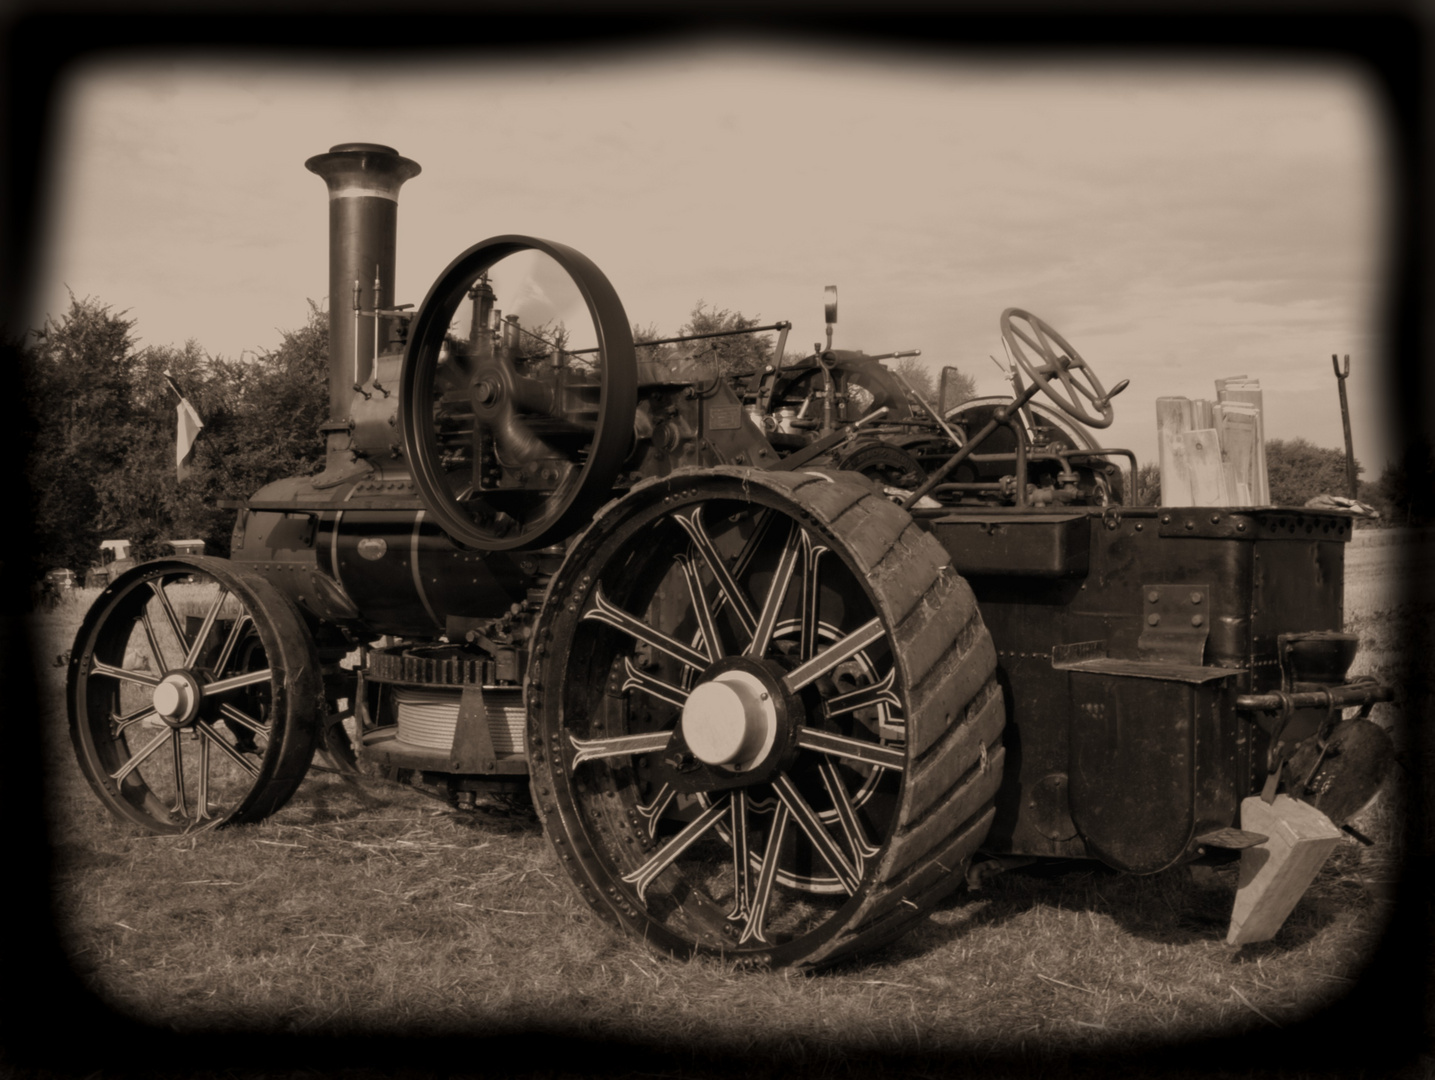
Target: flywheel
{"type": "Point", "coordinates": [763, 717]}
{"type": "Point", "coordinates": [516, 425]}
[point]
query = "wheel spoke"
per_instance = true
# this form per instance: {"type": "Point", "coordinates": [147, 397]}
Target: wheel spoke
{"type": "Point", "coordinates": [1044, 346]}
{"type": "Point", "coordinates": [754, 543]}
{"type": "Point", "coordinates": [651, 742]}
{"type": "Point", "coordinates": [144, 678]}
{"type": "Point", "coordinates": [179, 806]}
{"type": "Point", "coordinates": [811, 597]}
{"type": "Point", "coordinates": [741, 866]}
{"type": "Point", "coordinates": [605, 612]}
{"type": "Point", "coordinates": [153, 639]}
{"type": "Point", "coordinates": [858, 844]}
{"type": "Point", "coordinates": [243, 719]}
{"type": "Point", "coordinates": [236, 631]}
{"type": "Point", "coordinates": [762, 525]}
{"type": "Point", "coordinates": [865, 697]}
{"type": "Point", "coordinates": [175, 625]}
{"type": "Point", "coordinates": [692, 524]}
{"type": "Point", "coordinates": [197, 645]}
{"type": "Point", "coordinates": [702, 609]}
{"type": "Point", "coordinates": [201, 811]}
{"type": "Point", "coordinates": [869, 753]}
{"type": "Point", "coordinates": [640, 680]}
{"type": "Point", "coordinates": [234, 682]}
{"type": "Point", "coordinates": [868, 633]}
{"type": "Point", "coordinates": [668, 853]}
{"type": "Point", "coordinates": [207, 729]}
{"type": "Point", "coordinates": [811, 824]}
{"type": "Point", "coordinates": [777, 592]}
{"type": "Point", "coordinates": [129, 766]}
{"type": "Point", "coordinates": [756, 929]}
{"type": "Point", "coordinates": [1037, 346]}
{"type": "Point", "coordinates": [652, 811]}
{"type": "Point", "coordinates": [144, 712]}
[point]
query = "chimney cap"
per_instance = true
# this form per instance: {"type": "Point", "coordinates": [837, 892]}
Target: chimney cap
{"type": "Point", "coordinates": [362, 148]}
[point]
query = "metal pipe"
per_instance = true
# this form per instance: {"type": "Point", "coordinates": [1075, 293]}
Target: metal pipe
{"type": "Point", "coordinates": [1002, 415]}
{"type": "Point", "coordinates": [364, 181]}
{"type": "Point", "coordinates": [783, 326]}
{"type": "Point", "coordinates": [1335, 697]}
{"type": "Point", "coordinates": [1340, 378]}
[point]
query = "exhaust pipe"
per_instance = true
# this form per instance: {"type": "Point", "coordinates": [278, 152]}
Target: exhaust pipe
{"type": "Point", "coordinates": [364, 181]}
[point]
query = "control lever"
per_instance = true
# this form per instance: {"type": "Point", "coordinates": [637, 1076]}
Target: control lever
{"type": "Point", "coordinates": [1100, 402]}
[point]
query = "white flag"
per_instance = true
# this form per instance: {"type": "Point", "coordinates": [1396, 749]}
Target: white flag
{"type": "Point", "coordinates": [189, 426]}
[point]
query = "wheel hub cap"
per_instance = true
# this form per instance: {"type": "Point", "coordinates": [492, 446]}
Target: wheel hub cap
{"type": "Point", "coordinates": [175, 698]}
{"type": "Point", "coordinates": [730, 720]}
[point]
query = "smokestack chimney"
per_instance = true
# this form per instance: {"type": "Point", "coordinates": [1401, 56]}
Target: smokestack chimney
{"type": "Point", "coordinates": [364, 181]}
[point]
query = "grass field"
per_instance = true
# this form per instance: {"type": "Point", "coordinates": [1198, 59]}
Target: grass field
{"type": "Point", "coordinates": [375, 910]}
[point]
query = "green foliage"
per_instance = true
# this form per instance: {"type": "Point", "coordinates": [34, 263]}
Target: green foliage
{"type": "Point", "coordinates": [102, 421]}
{"type": "Point", "coordinates": [918, 376]}
{"type": "Point", "coordinates": [1299, 470]}
{"type": "Point", "coordinates": [1149, 477]}
{"type": "Point", "coordinates": [76, 378]}
{"type": "Point", "coordinates": [737, 355]}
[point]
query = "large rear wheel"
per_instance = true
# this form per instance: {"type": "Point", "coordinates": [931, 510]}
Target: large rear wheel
{"type": "Point", "coordinates": [763, 720]}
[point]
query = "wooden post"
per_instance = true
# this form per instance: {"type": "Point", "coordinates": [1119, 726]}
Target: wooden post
{"type": "Point", "coordinates": [1275, 875]}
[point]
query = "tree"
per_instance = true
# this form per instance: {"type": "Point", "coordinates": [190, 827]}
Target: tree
{"type": "Point", "coordinates": [101, 428]}
{"type": "Point", "coordinates": [1149, 482]}
{"type": "Point", "coordinates": [76, 378]}
{"type": "Point", "coordinates": [918, 376]}
{"type": "Point", "coordinates": [1298, 470]}
{"type": "Point", "coordinates": [262, 419]}
{"type": "Point", "coordinates": [737, 355]}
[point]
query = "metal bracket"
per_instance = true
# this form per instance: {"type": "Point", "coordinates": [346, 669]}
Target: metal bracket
{"type": "Point", "coordinates": [472, 743]}
{"type": "Point", "coordinates": [1176, 621]}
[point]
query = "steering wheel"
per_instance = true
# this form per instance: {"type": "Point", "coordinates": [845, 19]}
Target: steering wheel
{"type": "Point", "coordinates": [1060, 359]}
{"type": "Point", "coordinates": [516, 433]}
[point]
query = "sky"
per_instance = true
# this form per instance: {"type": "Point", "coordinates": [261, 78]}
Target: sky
{"type": "Point", "coordinates": [1176, 222]}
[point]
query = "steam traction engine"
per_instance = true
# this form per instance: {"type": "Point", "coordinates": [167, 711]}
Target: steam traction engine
{"type": "Point", "coordinates": [777, 653]}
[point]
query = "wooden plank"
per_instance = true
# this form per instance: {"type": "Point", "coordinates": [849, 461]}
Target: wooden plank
{"type": "Point", "coordinates": [1202, 415]}
{"type": "Point", "coordinates": [1237, 423]}
{"type": "Point", "coordinates": [1275, 875]}
{"type": "Point", "coordinates": [1202, 453]}
{"type": "Point", "coordinates": [1173, 419]}
{"type": "Point", "coordinates": [1243, 391]}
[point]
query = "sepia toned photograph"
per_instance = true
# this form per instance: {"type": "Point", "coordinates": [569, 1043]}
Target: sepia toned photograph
{"type": "Point", "coordinates": [725, 549]}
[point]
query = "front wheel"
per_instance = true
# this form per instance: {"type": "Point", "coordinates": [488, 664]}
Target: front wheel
{"type": "Point", "coordinates": [193, 692]}
{"type": "Point", "coordinates": [763, 719]}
